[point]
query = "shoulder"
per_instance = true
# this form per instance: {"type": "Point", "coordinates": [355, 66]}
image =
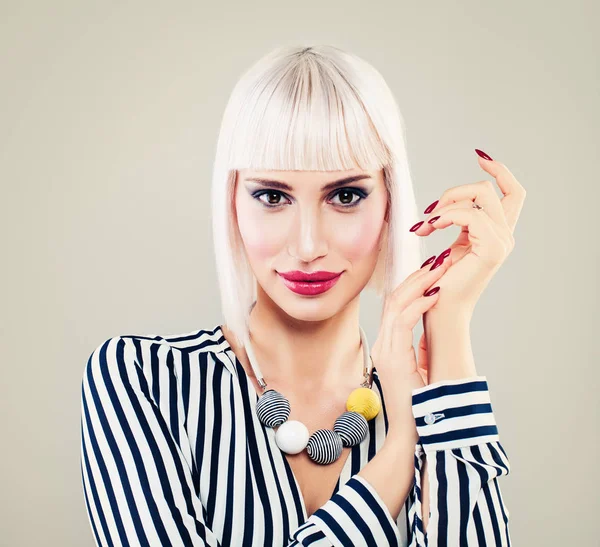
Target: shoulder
{"type": "Point", "coordinates": [149, 357]}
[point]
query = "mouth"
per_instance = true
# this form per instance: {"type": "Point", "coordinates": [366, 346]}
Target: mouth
{"type": "Point", "coordinates": [308, 277]}
{"type": "Point", "coordinates": [310, 284]}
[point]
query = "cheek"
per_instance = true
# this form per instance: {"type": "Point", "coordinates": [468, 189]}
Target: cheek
{"type": "Point", "coordinates": [262, 234]}
{"type": "Point", "coordinates": [359, 240]}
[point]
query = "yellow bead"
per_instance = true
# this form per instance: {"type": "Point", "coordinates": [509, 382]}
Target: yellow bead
{"type": "Point", "coordinates": [364, 401]}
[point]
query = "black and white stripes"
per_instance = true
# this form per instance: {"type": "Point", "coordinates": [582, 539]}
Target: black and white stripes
{"type": "Point", "coordinates": [172, 453]}
{"type": "Point", "coordinates": [273, 408]}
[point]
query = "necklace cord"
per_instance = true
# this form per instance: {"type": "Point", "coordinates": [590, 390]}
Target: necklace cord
{"type": "Point", "coordinates": [367, 361]}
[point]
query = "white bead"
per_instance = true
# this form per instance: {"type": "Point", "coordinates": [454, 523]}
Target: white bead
{"type": "Point", "coordinates": [292, 436]}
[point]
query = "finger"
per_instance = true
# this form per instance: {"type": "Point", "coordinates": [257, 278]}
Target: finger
{"type": "Point", "coordinates": [417, 284]}
{"type": "Point", "coordinates": [511, 188]}
{"type": "Point", "coordinates": [484, 236]}
{"type": "Point", "coordinates": [427, 227]}
{"type": "Point", "coordinates": [391, 338]}
{"type": "Point", "coordinates": [405, 294]}
{"type": "Point", "coordinates": [463, 238]}
{"type": "Point", "coordinates": [415, 310]}
{"type": "Point", "coordinates": [409, 279]}
{"type": "Point", "coordinates": [482, 192]}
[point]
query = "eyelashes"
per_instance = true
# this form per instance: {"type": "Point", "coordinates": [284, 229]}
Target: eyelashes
{"type": "Point", "coordinates": [354, 191]}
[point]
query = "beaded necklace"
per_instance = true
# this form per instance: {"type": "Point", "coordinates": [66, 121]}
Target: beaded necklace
{"type": "Point", "coordinates": [324, 446]}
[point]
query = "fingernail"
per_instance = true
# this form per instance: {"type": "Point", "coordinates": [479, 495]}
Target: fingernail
{"type": "Point", "coordinates": [431, 207]}
{"type": "Point", "coordinates": [483, 154]}
{"type": "Point", "coordinates": [446, 252]}
{"type": "Point", "coordinates": [431, 292]}
{"type": "Point", "coordinates": [440, 259]}
{"type": "Point", "coordinates": [416, 226]}
{"type": "Point", "coordinates": [438, 262]}
{"type": "Point", "coordinates": [428, 261]}
{"type": "Point", "coordinates": [432, 219]}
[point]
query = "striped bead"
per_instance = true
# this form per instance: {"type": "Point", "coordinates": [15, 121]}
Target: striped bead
{"type": "Point", "coordinates": [272, 408]}
{"type": "Point", "coordinates": [324, 446]}
{"type": "Point", "coordinates": [352, 427]}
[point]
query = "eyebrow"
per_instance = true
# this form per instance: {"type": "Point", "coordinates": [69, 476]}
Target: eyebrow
{"type": "Point", "coordinates": [329, 186]}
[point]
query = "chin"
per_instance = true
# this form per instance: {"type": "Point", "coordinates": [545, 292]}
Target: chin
{"type": "Point", "coordinates": [309, 308]}
{"type": "Point", "coordinates": [301, 313]}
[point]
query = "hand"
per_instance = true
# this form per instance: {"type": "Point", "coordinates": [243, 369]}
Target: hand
{"type": "Point", "coordinates": [393, 353]}
{"type": "Point", "coordinates": [423, 361]}
{"type": "Point", "coordinates": [486, 237]}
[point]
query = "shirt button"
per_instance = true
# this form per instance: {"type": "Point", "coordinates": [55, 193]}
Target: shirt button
{"type": "Point", "coordinates": [429, 418]}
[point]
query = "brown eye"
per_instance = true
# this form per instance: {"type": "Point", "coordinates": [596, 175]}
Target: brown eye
{"type": "Point", "coordinates": [346, 194]}
{"type": "Point", "coordinates": [346, 197]}
{"type": "Point", "coordinates": [273, 198]}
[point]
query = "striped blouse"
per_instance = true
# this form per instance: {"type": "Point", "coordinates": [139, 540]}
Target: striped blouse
{"type": "Point", "coordinates": [172, 453]}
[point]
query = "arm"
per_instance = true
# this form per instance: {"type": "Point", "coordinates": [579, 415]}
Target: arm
{"type": "Point", "coordinates": [364, 511]}
{"type": "Point", "coordinates": [137, 467]}
{"type": "Point", "coordinates": [459, 459]}
{"type": "Point", "coordinates": [136, 478]}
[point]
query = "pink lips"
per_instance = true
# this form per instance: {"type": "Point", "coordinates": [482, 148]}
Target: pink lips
{"type": "Point", "coordinates": [309, 283]}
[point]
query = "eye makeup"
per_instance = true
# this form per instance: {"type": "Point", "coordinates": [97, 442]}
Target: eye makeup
{"type": "Point", "coordinates": [360, 192]}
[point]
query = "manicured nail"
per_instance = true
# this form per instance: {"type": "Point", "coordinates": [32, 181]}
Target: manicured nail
{"type": "Point", "coordinates": [483, 154]}
{"type": "Point", "coordinates": [417, 226]}
{"type": "Point", "coordinates": [432, 219]}
{"type": "Point", "coordinates": [438, 262]}
{"type": "Point", "coordinates": [428, 261]}
{"type": "Point", "coordinates": [431, 207]}
{"type": "Point", "coordinates": [431, 292]}
{"type": "Point", "coordinates": [440, 259]}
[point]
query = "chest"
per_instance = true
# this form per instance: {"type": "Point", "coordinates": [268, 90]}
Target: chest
{"type": "Point", "coordinates": [317, 482]}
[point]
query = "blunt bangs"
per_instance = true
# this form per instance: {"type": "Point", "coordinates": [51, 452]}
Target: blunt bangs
{"type": "Point", "coordinates": [306, 117]}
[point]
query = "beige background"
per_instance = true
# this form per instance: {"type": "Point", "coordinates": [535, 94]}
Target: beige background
{"type": "Point", "coordinates": [109, 118]}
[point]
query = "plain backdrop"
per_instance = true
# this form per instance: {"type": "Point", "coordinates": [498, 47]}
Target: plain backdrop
{"type": "Point", "coordinates": [109, 114]}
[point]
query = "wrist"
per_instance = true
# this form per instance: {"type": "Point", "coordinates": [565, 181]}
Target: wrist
{"type": "Point", "coordinates": [449, 345]}
{"type": "Point", "coordinates": [454, 317]}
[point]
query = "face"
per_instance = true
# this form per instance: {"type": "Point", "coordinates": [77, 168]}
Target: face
{"type": "Point", "coordinates": [301, 222]}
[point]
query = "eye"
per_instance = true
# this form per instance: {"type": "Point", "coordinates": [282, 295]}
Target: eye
{"type": "Point", "coordinates": [270, 193]}
{"type": "Point", "coordinates": [346, 194]}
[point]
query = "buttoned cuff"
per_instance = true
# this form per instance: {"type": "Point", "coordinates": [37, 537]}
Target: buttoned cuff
{"type": "Point", "coordinates": [454, 413]}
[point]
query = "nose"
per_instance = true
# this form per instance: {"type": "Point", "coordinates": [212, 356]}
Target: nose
{"type": "Point", "coordinates": [306, 240]}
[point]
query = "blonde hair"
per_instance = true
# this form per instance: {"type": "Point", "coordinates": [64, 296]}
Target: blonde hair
{"type": "Point", "coordinates": [313, 108]}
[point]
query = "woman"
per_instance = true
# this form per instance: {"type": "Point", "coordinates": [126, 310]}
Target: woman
{"type": "Point", "coordinates": [282, 426]}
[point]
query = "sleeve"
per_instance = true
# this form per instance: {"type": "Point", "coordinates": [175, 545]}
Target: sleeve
{"type": "Point", "coordinates": [137, 481]}
{"type": "Point", "coordinates": [459, 439]}
{"type": "Point", "coordinates": [354, 516]}
{"type": "Point", "coordinates": [137, 472]}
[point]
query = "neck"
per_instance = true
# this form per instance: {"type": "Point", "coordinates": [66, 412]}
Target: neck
{"type": "Point", "coordinates": [309, 355]}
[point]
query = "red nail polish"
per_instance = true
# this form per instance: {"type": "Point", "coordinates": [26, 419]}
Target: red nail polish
{"type": "Point", "coordinates": [441, 259]}
{"type": "Point", "coordinates": [446, 252]}
{"type": "Point", "coordinates": [483, 154]}
{"type": "Point", "coordinates": [432, 219]}
{"type": "Point", "coordinates": [428, 261]}
{"type": "Point", "coordinates": [431, 292]}
{"type": "Point", "coordinates": [431, 207]}
{"type": "Point", "coordinates": [416, 226]}
{"type": "Point", "coordinates": [437, 263]}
